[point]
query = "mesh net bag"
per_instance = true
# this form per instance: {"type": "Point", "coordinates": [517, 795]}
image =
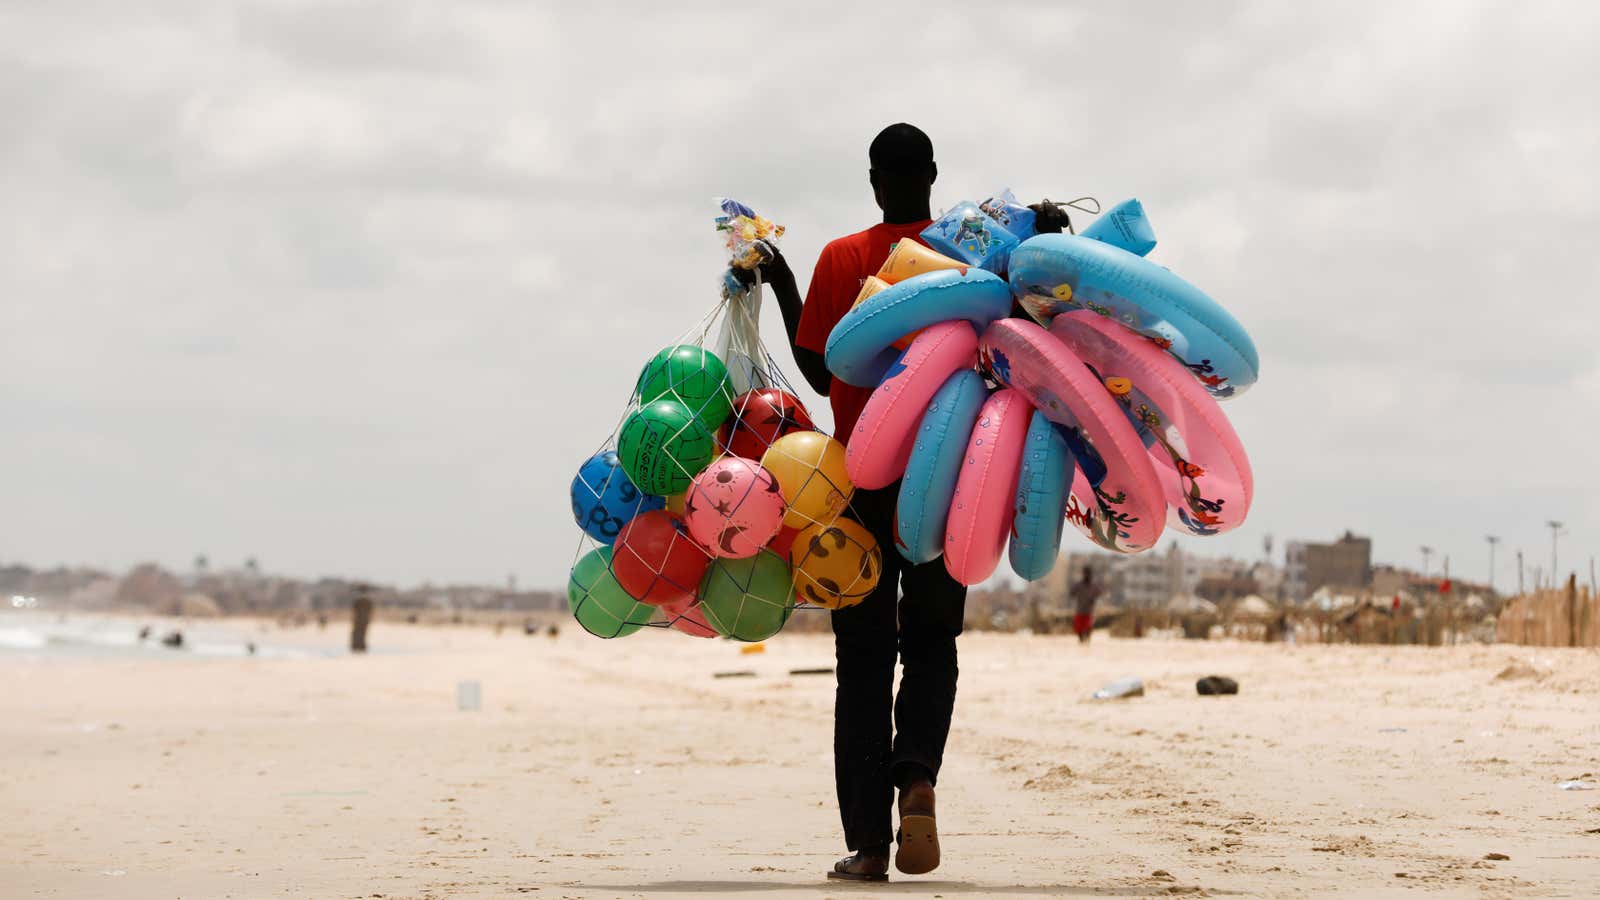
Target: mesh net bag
{"type": "Point", "coordinates": [715, 506]}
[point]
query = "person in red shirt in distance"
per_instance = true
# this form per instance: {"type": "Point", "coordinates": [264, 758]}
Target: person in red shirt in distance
{"type": "Point", "coordinates": [883, 741]}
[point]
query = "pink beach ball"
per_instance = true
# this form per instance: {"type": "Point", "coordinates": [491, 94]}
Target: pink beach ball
{"type": "Point", "coordinates": [734, 507]}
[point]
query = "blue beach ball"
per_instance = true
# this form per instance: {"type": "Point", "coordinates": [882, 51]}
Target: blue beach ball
{"type": "Point", "coordinates": [604, 500]}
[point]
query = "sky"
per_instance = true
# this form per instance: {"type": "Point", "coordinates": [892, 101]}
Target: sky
{"type": "Point", "coordinates": [354, 287]}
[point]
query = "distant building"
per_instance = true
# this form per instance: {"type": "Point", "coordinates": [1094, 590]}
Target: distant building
{"type": "Point", "coordinates": [1347, 562]}
{"type": "Point", "coordinates": [1149, 580]}
{"type": "Point", "coordinates": [1146, 580]}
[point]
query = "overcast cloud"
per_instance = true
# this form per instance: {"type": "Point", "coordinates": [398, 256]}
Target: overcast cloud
{"type": "Point", "coordinates": [353, 287]}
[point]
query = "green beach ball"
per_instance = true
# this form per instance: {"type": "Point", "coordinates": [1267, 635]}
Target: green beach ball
{"type": "Point", "coordinates": [599, 604]}
{"type": "Point", "coordinates": [663, 446]}
{"type": "Point", "coordinates": [749, 599]}
{"type": "Point", "coordinates": [693, 376]}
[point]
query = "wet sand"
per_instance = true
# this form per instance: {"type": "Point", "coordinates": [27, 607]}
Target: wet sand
{"type": "Point", "coordinates": [624, 769]}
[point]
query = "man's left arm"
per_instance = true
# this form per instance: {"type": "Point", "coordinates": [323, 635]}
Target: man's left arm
{"type": "Point", "coordinates": [776, 274]}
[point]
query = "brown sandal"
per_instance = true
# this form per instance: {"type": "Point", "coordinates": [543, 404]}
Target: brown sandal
{"type": "Point", "coordinates": [918, 837]}
{"type": "Point", "coordinates": [918, 840]}
{"type": "Point", "coordinates": [841, 870]}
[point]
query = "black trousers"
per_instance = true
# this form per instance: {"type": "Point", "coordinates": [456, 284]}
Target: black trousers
{"type": "Point", "coordinates": [875, 732]}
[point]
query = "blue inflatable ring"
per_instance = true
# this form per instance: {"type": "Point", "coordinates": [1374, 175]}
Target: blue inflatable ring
{"type": "Point", "coordinates": [860, 350]}
{"type": "Point", "coordinates": [1042, 491]}
{"type": "Point", "coordinates": [929, 484]}
{"type": "Point", "coordinates": [1055, 273]}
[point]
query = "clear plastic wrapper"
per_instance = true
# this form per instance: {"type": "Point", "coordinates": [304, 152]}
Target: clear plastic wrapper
{"type": "Point", "coordinates": [1011, 215]}
{"type": "Point", "coordinates": [750, 237]}
{"type": "Point", "coordinates": [967, 234]}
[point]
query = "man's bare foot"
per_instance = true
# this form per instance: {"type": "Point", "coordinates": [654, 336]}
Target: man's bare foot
{"type": "Point", "coordinates": [918, 852]}
{"type": "Point", "coordinates": [870, 864]}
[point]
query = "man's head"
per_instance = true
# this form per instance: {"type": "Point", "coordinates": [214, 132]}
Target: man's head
{"type": "Point", "coordinates": [1088, 574]}
{"type": "Point", "coordinates": [903, 170]}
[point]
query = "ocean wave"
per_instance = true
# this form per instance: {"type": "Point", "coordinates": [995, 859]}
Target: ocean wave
{"type": "Point", "coordinates": [22, 639]}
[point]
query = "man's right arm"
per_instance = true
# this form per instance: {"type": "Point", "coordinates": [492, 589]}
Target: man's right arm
{"type": "Point", "coordinates": [778, 276]}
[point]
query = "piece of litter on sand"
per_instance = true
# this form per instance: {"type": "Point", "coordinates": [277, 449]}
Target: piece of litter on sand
{"type": "Point", "coordinates": [1214, 685]}
{"type": "Point", "coordinates": [113, 872]}
{"type": "Point", "coordinates": [1575, 786]}
{"type": "Point", "coordinates": [1391, 730]}
{"type": "Point", "coordinates": [828, 670]}
{"type": "Point", "coordinates": [1122, 687]}
{"type": "Point", "coordinates": [1496, 857]}
{"type": "Point", "coordinates": [742, 673]}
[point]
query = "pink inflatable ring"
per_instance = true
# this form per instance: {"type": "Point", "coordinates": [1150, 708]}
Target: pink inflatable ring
{"type": "Point", "coordinates": [1117, 499]}
{"type": "Point", "coordinates": [984, 501]}
{"type": "Point", "coordinates": [881, 443]}
{"type": "Point", "coordinates": [1204, 472]}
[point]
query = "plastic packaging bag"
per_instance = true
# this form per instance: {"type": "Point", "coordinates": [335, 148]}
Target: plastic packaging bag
{"type": "Point", "coordinates": [1012, 216]}
{"type": "Point", "coordinates": [738, 344]}
{"type": "Point", "coordinates": [750, 240]}
{"type": "Point", "coordinates": [967, 234]}
{"type": "Point", "coordinates": [1120, 689]}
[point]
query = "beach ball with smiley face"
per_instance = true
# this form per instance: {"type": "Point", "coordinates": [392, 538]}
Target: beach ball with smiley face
{"type": "Point", "coordinates": [734, 507]}
{"type": "Point", "coordinates": [836, 565]}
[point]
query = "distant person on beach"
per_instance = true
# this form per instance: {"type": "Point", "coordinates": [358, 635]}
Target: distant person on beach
{"type": "Point", "coordinates": [881, 741]}
{"type": "Point", "coordinates": [1084, 595]}
{"type": "Point", "coordinates": [360, 618]}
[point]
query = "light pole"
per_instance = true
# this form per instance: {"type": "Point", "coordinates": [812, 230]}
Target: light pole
{"type": "Point", "coordinates": [1427, 553]}
{"type": "Point", "coordinates": [1492, 539]}
{"type": "Point", "coordinates": [1555, 532]}
{"type": "Point", "coordinates": [1519, 571]}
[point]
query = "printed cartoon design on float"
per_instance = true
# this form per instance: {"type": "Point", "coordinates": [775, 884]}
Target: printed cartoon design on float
{"type": "Point", "coordinates": [1199, 513]}
{"type": "Point", "coordinates": [1216, 384]}
{"type": "Point", "coordinates": [1044, 303]}
{"type": "Point", "coordinates": [972, 234]}
{"type": "Point", "coordinates": [993, 365]}
{"type": "Point", "coordinates": [1105, 523]}
{"type": "Point", "coordinates": [1203, 468]}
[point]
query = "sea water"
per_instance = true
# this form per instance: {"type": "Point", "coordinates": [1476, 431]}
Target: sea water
{"type": "Point", "coordinates": [40, 633]}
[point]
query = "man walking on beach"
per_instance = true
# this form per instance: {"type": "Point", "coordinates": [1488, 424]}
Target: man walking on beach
{"type": "Point", "coordinates": [882, 742]}
{"type": "Point", "coordinates": [1084, 594]}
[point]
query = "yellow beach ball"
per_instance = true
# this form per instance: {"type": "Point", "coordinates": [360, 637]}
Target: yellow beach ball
{"type": "Point", "coordinates": [810, 470]}
{"type": "Point", "coordinates": [836, 565]}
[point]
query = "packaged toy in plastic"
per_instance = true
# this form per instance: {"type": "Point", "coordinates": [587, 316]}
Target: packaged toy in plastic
{"type": "Point", "coordinates": [1012, 216]}
{"type": "Point", "coordinates": [965, 233]}
{"type": "Point", "coordinates": [750, 238]}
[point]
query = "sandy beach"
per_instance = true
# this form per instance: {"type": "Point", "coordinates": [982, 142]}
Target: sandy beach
{"type": "Point", "coordinates": [625, 769]}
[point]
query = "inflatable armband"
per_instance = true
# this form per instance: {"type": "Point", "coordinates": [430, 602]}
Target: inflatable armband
{"type": "Point", "coordinates": [965, 233]}
{"type": "Point", "coordinates": [1125, 226]}
{"type": "Point", "coordinates": [1012, 216]}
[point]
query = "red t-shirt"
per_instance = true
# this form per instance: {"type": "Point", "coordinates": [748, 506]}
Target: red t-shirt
{"type": "Point", "coordinates": [841, 270]}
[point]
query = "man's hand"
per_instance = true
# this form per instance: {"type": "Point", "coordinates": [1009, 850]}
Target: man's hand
{"type": "Point", "coordinates": [772, 271]}
{"type": "Point", "coordinates": [1050, 218]}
